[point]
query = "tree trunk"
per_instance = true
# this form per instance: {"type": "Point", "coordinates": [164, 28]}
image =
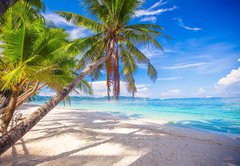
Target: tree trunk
{"type": "Point", "coordinates": [25, 96]}
{"type": "Point", "coordinates": [8, 112]}
{"type": "Point", "coordinates": [5, 4]}
{"type": "Point", "coordinates": [5, 98]}
{"type": "Point", "coordinates": [4, 101]}
{"type": "Point", "coordinates": [9, 139]}
{"type": "Point", "coordinates": [108, 75]}
{"type": "Point", "coordinates": [116, 87]}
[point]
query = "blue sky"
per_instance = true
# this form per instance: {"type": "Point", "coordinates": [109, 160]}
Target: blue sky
{"type": "Point", "coordinates": [201, 60]}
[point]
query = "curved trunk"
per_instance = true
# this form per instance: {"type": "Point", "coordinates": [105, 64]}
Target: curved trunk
{"type": "Point", "coordinates": [9, 139]}
{"type": "Point", "coordinates": [8, 112]}
{"type": "Point", "coordinates": [4, 101]}
{"type": "Point", "coordinates": [25, 96]}
{"type": "Point", "coordinates": [5, 98]}
{"type": "Point", "coordinates": [5, 4]}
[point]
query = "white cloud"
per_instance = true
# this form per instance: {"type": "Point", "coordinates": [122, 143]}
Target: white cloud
{"type": "Point", "coordinates": [150, 19]}
{"type": "Point", "coordinates": [183, 66]}
{"type": "Point", "coordinates": [46, 92]}
{"type": "Point", "coordinates": [56, 19]}
{"type": "Point", "coordinates": [100, 90]}
{"type": "Point", "coordinates": [168, 79]}
{"type": "Point", "coordinates": [76, 33]}
{"type": "Point", "coordinates": [151, 12]}
{"type": "Point", "coordinates": [239, 60]}
{"type": "Point", "coordinates": [201, 92]}
{"type": "Point", "coordinates": [219, 57]}
{"type": "Point", "coordinates": [159, 3]}
{"type": "Point", "coordinates": [151, 51]}
{"type": "Point", "coordinates": [230, 79]}
{"type": "Point", "coordinates": [172, 93]}
{"type": "Point", "coordinates": [181, 24]}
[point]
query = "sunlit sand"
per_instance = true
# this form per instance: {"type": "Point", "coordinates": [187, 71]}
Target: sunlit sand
{"type": "Point", "coordinates": [83, 137]}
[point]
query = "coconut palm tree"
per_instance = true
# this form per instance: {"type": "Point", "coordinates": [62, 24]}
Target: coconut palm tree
{"type": "Point", "coordinates": [115, 14]}
{"type": "Point", "coordinates": [4, 5]}
{"type": "Point", "coordinates": [33, 57]}
{"type": "Point", "coordinates": [112, 18]}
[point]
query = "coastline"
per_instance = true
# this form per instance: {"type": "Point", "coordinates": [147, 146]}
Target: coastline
{"type": "Point", "coordinates": [148, 119]}
{"type": "Point", "coordinates": [88, 137]}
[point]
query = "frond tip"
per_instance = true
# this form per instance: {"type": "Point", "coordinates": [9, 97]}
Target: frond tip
{"type": "Point", "coordinates": [152, 72]}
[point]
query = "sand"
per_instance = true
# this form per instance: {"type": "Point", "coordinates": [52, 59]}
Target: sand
{"type": "Point", "coordinates": [88, 138]}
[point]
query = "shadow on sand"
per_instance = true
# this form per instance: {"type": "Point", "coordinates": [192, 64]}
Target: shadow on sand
{"type": "Point", "coordinates": [141, 144]}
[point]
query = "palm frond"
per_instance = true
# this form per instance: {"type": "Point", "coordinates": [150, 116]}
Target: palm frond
{"type": "Point", "coordinates": [81, 21]}
{"type": "Point", "coordinates": [85, 87]}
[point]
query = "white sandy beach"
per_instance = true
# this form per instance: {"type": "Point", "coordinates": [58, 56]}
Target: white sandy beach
{"type": "Point", "coordinates": [83, 137]}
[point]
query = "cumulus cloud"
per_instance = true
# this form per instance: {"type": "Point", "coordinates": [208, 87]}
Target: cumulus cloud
{"type": "Point", "coordinates": [181, 24]}
{"type": "Point", "coordinates": [183, 66]}
{"type": "Point", "coordinates": [230, 79]}
{"type": "Point", "coordinates": [172, 93]}
{"type": "Point", "coordinates": [148, 14]}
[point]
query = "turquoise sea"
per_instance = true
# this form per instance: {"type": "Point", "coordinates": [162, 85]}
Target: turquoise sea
{"type": "Point", "coordinates": [221, 115]}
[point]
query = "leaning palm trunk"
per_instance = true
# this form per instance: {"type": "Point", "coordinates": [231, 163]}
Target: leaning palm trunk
{"type": "Point", "coordinates": [5, 98]}
{"type": "Point", "coordinates": [25, 96]}
{"type": "Point", "coordinates": [5, 4]}
{"type": "Point", "coordinates": [4, 101]}
{"type": "Point", "coordinates": [8, 112]}
{"type": "Point", "coordinates": [9, 139]}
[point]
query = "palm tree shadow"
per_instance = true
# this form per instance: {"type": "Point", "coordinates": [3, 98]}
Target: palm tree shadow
{"type": "Point", "coordinates": [91, 126]}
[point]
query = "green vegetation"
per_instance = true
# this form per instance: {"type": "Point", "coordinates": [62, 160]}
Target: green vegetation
{"type": "Point", "coordinates": [111, 23]}
{"type": "Point", "coordinates": [35, 56]}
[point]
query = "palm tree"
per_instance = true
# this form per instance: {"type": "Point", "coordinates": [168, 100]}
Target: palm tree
{"type": "Point", "coordinates": [32, 55]}
{"type": "Point", "coordinates": [4, 5]}
{"type": "Point", "coordinates": [112, 23]}
{"type": "Point", "coordinates": [112, 13]}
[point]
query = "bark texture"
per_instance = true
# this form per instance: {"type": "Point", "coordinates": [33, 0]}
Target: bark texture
{"type": "Point", "coordinates": [4, 101]}
{"type": "Point", "coordinates": [21, 99]}
{"type": "Point", "coordinates": [116, 86]}
{"type": "Point", "coordinates": [5, 4]}
{"type": "Point", "coordinates": [8, 112]}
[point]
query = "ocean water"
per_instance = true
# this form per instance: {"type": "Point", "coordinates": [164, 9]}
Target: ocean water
{"type": "Point", "coordinates": [221, 115]}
